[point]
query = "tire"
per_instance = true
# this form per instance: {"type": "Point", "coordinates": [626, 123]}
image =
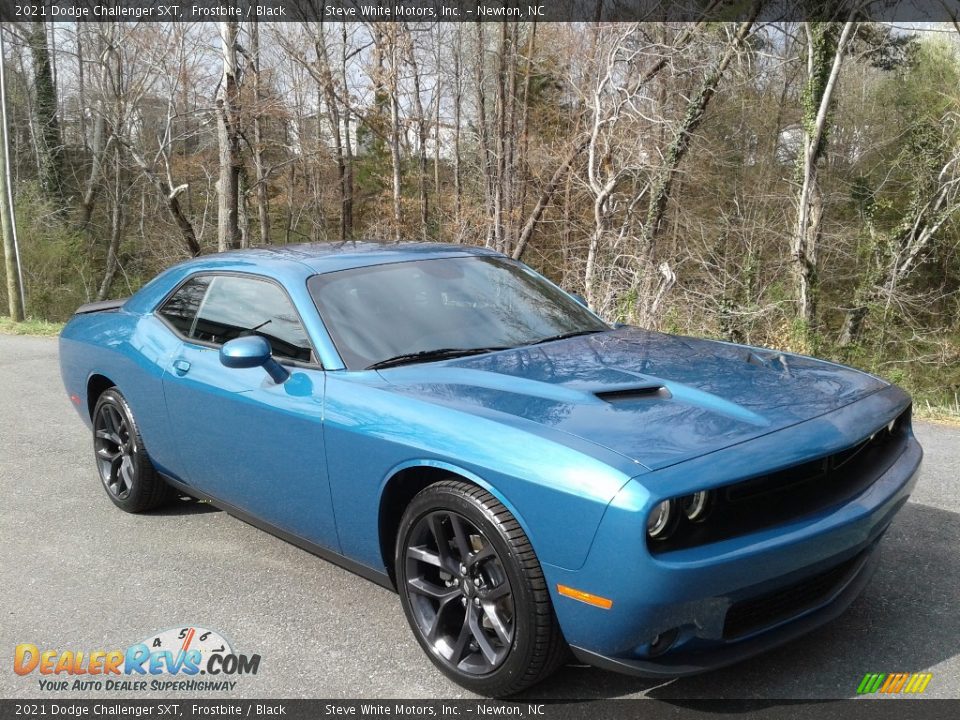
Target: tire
{"type": "Point", "coordinates": [473, 591]}
{"type": "Point", "coordinates": [125, 470]}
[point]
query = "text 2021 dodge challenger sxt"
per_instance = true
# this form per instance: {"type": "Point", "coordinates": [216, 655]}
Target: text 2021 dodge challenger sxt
{"type": "Point", "coordinates": [444, 420]}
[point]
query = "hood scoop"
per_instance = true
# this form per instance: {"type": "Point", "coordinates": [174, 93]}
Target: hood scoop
{"type": "Point", "coordinates": [637, 392]}
{"type": "Point", "coordinates": [771, 361]}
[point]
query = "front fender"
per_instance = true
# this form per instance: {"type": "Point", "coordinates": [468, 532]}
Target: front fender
{"type": "Point", "coordinates": [557, 492]}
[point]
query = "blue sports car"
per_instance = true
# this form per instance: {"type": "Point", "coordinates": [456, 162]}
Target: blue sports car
{"type": "Point", "coordinates": [532, 481]}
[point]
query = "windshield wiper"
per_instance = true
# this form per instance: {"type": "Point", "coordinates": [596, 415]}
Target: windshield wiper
{"type": "Point", "coordinates": [430, 355]}
{"type": "Point", "coordinates": [564, 336]}
{"type": "Point", "coordinates": [447, 353]}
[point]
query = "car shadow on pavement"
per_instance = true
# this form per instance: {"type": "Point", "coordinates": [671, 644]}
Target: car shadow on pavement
{"type": "Point", "coordinates": [904, 621]}
{"type": "Point", "coordinates": [185, 505]}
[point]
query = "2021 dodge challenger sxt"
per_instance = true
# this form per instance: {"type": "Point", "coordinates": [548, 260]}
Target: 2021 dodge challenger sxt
{"type": "Point", "coordinates": [445, 421]}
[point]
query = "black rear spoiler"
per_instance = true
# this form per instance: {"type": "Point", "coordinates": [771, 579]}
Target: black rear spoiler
{"type": "Point", "coordinates": [100, 306]}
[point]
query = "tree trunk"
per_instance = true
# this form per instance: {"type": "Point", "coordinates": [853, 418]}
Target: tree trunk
{"type": "Point", "coordinates": [457, 109]}
{"type": "Point", "coordinates": [171, 199]}
{"type": "Point", "coordinates": [546, 195]}
{"type": "Point", "coordinates": [410, 52]}
{"type": "Point", "coordinates": [348, 141]}
{"type": "Point", "coordinates": [483, 137]}
{"type": "Point", "coordinates": [116, 229]}
{"type": "Point", "coordinates": [228, 132]}
{"type": "Point", "coordinates": [81, 85]}
{"type": "Point", "coordinates": [438, 213]}
{"type": "Point", "coordinates": [500, 143]}
{"type": "Point", "coordinates": [11, 256]}
{"type": "Point", "coordinates": [520, 203]}
{"type": "Point", "coordinates": [393, 83]}
{"type": "Point", "coordinates": [824, 59]}
{"type": "Point", "coordinates": [47, 137]}
{"type": "Point", "coordinates": [263, 199]}
{"type": "Point", "coordinates": [243, 206]}
{"type": "Point", "coordinates": [98, 148]}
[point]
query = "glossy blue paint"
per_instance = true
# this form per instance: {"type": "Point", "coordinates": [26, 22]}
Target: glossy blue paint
{"type": "Point", "coordinates": [246, 352]}
{"type": "Point", "coordinates": [579, 438]}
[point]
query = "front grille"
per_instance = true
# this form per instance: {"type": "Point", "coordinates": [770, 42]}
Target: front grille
{"type": "Point", "coordinates": [761, 612]}
{"type": "Point", "coordinates": [793, 492]}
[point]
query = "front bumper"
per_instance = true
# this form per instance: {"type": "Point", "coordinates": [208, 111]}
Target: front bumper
{"type": "Point", "coordinates": [696, 593]}
{"type": "Point", "coordinates": [700, 658]}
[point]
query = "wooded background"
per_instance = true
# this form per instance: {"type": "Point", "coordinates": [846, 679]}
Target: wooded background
{"type": "Point", "coordinates": [786, 185]}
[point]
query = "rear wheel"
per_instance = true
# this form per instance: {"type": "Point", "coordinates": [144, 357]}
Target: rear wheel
{"type": "Point", "coordinates": [473, 591]}
{"type": "Point", "coordinates": [125, 469]}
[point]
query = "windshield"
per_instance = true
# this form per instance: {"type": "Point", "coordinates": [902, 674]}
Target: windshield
{"type": "Point", "coordinates": [375, 314]}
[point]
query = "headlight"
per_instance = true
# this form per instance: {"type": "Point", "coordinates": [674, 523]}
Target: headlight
{"type": "Point", "coordinates": [660, 520]}
{"type": "Point", "coordinates": [696, 506]}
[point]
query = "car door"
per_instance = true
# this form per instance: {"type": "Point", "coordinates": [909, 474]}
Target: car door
{"type": "Point", "coordinates": [241, 437]}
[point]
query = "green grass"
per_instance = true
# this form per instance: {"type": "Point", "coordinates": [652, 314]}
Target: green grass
{"type": "Point", "coordinates": [29, 327]}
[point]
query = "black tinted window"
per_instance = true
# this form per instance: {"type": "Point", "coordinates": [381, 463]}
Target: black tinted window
{"type": "Point", "coordinates": [181, 308]}
{"type": "Point", "coordinates": [381, 312]}
{"type": "Point", "coordinates": [237, 306]}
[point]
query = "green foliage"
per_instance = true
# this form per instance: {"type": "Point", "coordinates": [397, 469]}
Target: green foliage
{"type": "Point", "coordinates": [373, 167]}
{"type": "Point", "coordinates": [883, 47]}
{"type": "Point", "coordinates": [673, 323]}
{"type": "Point", "coordinates": [30, 326]}
{"type": "Point", "coordinates": [59, 270]}
{"type": "Point", "coordinates": [824, 38]}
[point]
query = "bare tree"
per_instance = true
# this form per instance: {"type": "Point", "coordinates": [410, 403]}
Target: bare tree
{"type": "Point", "coordinates": [49, 146]}
{"type": "Point", "coordinates": [897, 258]}
{"type": "Point", "coordinates": [324, 75]}
{"type": "Point", "coordinates": [116, 227]}
{"type": "Point", "coordinates": [263, 201]}
{"type": "Point", "coordinates": [106, 37]}
{"type": "Point", "coordinates": [825, 53]}
{"type": "Point", "coordinates": [457, 128]}
{"type": "Point", "coordinates": [11, 255]}
{"type": "Point", "coordinates": [409, 49]}
{"type": "Point", "coordinates": [657, 277]}
{"type": "Point", "coordinates": [393, 89]}
{"type": "Point", "coordinates": [228, 132]}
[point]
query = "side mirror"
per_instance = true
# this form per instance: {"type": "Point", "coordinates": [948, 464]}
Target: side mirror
{"type": "Point", "coordinates": [252, 351]}
{"type": "Point", "coordinates": [580, 299]}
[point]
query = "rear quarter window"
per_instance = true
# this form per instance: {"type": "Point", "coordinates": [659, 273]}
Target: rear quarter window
{"type": "Point", "coordinates": [181, 308]}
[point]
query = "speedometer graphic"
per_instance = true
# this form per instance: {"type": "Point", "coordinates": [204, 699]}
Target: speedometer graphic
{"type": "Point", "coordinates": [185, 639]}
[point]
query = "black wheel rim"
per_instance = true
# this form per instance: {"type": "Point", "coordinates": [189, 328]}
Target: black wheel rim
{"type": "Point", "coordinates": [114, 450]}
{"type": "Point", "coordinates": [459, 594]}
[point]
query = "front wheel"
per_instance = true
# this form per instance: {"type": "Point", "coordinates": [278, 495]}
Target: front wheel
{"type": "Point", "coordinates": [473, 591]}
{"type": "Point", "coordinates": [125, 469]}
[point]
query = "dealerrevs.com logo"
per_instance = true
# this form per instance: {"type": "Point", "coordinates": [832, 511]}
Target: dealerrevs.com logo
{"type": "Point", "coordinates": [190, 659]}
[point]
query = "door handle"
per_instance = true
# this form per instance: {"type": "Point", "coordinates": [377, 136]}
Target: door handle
{"type": "Point", "coordinates": [181, 367]}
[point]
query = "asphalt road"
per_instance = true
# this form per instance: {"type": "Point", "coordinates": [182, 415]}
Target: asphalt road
{"type": "Point", "coordinates": [76, 573]}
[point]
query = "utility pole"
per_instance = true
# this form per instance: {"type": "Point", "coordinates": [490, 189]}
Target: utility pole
{"type": "Point", "coordinates": [8, 225]}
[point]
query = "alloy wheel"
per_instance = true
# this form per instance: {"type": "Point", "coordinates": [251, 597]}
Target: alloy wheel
{"type": "Point", "coordinates": [113, 445]}
{"type": "Point", "coordinates": [459, 593]}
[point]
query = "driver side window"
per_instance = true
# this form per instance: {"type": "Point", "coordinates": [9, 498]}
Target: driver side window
{"type": "Point", "coordinates": [219, 308]}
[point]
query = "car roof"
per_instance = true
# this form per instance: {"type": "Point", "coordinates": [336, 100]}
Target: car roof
{"type": "Point", "coordinates": [330, 257]}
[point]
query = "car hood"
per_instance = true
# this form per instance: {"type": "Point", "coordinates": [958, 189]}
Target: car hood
{"type": "Point", "coordinates": [656, 399]}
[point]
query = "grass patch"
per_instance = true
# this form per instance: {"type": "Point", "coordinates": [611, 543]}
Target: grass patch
{"type": "Point", "coordinates": [946, 413]}
{"type": "Point", "coordinates": [29, 326]}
